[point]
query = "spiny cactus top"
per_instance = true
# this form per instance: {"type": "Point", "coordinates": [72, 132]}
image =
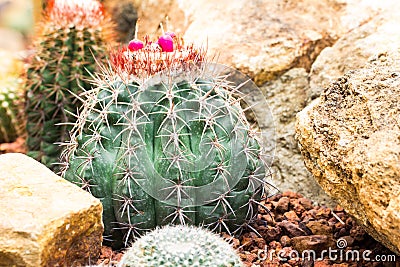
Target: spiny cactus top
{"type": "Point", "coordinates": [71, 34]}
{"type": "Point", "coordinates": [162, 139]}
{"type": "Point", "coordinates": [180, 246]}
{"type": "Point", "coordinates": [87, 13]}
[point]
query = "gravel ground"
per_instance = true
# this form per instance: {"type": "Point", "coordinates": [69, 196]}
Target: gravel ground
{"type": "Point", "coordinates": [293, 225]}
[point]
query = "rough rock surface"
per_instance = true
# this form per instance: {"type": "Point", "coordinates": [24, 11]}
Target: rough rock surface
{"type": "Point", "coordinates": [262, 38]}
{"type": "Point", "coordinates": [353, 49]}
{"type": "Point", "coordinates": [286, 97]}
{"type": "Point", "coordinates": [45, 220]}
{"type": "Point", "coordinates": [350, 139]}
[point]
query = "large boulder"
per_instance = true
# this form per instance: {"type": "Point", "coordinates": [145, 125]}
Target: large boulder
{"type": "Point", "coordinates": [353, 49]}
{"type": "Point", "coordinates": [45, 220]}
{"type": "Point", "coordinates": [262, 38]}
{"type": "Point", "coordinates": [350, 140]}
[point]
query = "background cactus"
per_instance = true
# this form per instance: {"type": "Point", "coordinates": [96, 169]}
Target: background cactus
{"type": "Point", "coordinates": [71, 34]}
{"type": "Point", "coordinates": [180, 246]}
{"type": "Point", "coordinates": [11, 98]}
{"type": "Point", "coordinates": [11, 109]}
{"type": "Point", "coordinates": [162, 140]}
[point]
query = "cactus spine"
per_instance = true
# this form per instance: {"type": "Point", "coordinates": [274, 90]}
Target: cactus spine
{"type": "Point", "coordinates": [71, 34]}
{"type": "Point", "coordinates": [180, 246]}
{"type": "Point", "coordinates": [162, 140]}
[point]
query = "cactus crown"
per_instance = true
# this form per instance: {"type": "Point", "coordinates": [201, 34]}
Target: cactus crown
{"type": "Point", "coordinates": [150, 59]}
{"type": "Point", "coordinates": [180, 246]}
{"type": "Point", "coordinates": [161, 139]}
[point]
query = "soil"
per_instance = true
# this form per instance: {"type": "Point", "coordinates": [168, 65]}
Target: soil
{"type": "Point", "coordinates": [289, 229]}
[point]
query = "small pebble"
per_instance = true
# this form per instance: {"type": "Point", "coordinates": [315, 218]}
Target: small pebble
{"type": "Point", "coordinates": [282, 205]}
{"type": "Point", "coordinates": [291, 216]}
{"type": "Point", "coordinates": [291, 229]}
{"type": "Point", "coordinates": [306, 203]}
{"type": "Point", "coordinates": [285, 241]}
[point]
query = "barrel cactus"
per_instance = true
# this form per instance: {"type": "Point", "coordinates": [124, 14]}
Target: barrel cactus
{"type": "Point", "coordinates": [11, 109]}
{"type": "Point", "coordinates": [71, 35]}
{"type": "Point", "coordinates": [180, 246]}
{"type": "Point", "coordinates": [162, 139]}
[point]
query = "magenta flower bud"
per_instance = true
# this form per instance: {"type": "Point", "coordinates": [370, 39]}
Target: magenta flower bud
{"type": "Point", "coordinates": [166, 43]}
{"type": "Point", "coordinates": [135, 45]}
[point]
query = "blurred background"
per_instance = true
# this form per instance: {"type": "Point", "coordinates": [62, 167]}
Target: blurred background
{"type": "Point", "coordinates": [16, 29]}
{"type": "Point", "coordinates": [18, 17]}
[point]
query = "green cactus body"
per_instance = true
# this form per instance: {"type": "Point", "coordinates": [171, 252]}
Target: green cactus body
{"type": "Point", "coordinates": [11, 118]}
{"type": "Point", "coordinates": [71, 35]}
{"type": "Point", "coordinates": [172, 148]}
{"type": "Point", "coordinates": [180, 246]}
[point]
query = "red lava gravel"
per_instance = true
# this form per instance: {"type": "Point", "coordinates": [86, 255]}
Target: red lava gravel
{"type": "Point", "coordinates": [293, 230]}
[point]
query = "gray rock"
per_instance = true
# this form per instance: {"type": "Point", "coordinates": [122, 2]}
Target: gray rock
{"type": "Point", "coordinates": [286, 97]}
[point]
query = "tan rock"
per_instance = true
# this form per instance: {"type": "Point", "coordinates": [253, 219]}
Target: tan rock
{"type": "Point", "coordinates": [45, 220]}
{"type": "Point", "coordinates": [353, 49]}
{"type": "Point", "coordinates": [262, 38]}
{"type": "Point", "coordinates": [350, 140]}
